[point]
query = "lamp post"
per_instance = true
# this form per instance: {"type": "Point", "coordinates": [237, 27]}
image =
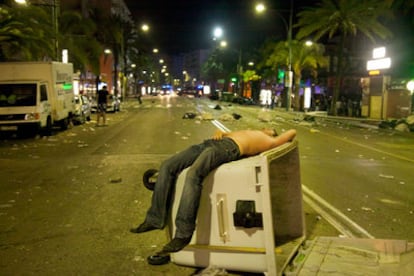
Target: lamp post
{"type": "Point", "coordinates": [261, 8]}
{"type": "Point", "coordinates": [410, 86]}
{"type": "Point", "coordinates": [290, 73]}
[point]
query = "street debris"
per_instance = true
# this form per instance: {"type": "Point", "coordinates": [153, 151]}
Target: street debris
{"type": "Point", "coordinates": [265, 116]}
{"type": "Point", "coordinates": [402, 125]}
{"type": "Point", "coordinates": [139, 259]}
{"type": "Point", "coordinates": [386, 176]}
{"type": "Point", "coordinates": [212, 271]}
{"type": "Point", "coordinates": [226, 117]}
{"type": "Point", "coordinates": [313, 130]}
{"type": "Point", "coordinates": [115, 180]}
{"type": "Point", "coordinates": [189, 115]}
{"type": "Point", "coordinates": [207, 116]}
{"type": "Point", "coordinates": [367, 209]}
{"type": "Point", "coordinates": [236, 116]}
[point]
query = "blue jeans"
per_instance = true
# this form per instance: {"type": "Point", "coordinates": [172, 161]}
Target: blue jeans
{"type": "Point", "coordinates": [203, 158]}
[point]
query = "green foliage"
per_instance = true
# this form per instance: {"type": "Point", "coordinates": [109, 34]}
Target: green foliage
{"type": "Point", "coordinates": [75, 35]}
{"type": "Point", "coordinates": [26, 34]}
{"type": "Point", "coordinates": [250, 75]}
{"type": "Point", "coordinates": [303, 58]}
{"type": "Point", "coordinates": [344, 18]}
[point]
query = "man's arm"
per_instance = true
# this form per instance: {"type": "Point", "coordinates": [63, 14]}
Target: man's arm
{"type": "Point", "coordinates": [286, 136]}
{"type": "Point", "coordinates": [218, 135]}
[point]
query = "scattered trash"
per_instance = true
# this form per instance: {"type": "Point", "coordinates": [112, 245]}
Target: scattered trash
{"type": "Point", "coordinates": [212, 271]}
{"type": "Point", "coordinates": [236, 116]}
{"type": "Point", "coordinates": [367, 209]}
{"type": "Point", "coordinates": [337, 150]}
{"type": "Point", "coordinates": [307, 124]}
{"type": "Point", "coordinates": [349, 209]}
{"type": "Point", "coordinates": [115, 180]}
{"type": "Point", "coordinates": [402, 182]}
{"type": "Point", "coordinates": [207, 116]}
{"type": "Point", "coordinates": [386, 176]}
{"type": "Point", "coordinates": [318, 217]}
{"type": "Point", "coordinates": [189, 115]}
{"type": "Point", "coordinates": [402, 125]}
{"type": "Point", "coordinates": [390, 201]}
{"type": "Point", "coordinates": [226, 117]}
{"type": "Point", "coordinates": [138, 259]}
{"type": "Point", "coordinates": [313, 130]}
{"type": "Point", "coordinates": [265, 116]}
{"type": "Point", "coordinates": [308, 118]}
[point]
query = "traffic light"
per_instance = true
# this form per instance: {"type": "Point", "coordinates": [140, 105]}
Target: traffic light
{"type": "Point", "coordinates": [280, 75]}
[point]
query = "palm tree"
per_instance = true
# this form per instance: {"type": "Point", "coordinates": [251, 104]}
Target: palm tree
{"type": "Point", "coordinates": [75, 32]}
{"type": "Point", "coordinates": [111, 33]}
{"type": "Point", "coordinates": [26, 33]}
{"type": "Point", "coordinates": [343, 18]}
{"type": "Point", "coordinates": [303, 57]}
{"type": "Point", "coordinates": [212, 69]}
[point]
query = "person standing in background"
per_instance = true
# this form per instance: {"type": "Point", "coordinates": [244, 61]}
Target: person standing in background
{"type": "Point", "coordinates": [102, 103]}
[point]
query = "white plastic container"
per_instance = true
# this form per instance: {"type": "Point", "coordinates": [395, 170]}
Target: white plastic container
{"type": "Point", "coordinates": [250, 217]}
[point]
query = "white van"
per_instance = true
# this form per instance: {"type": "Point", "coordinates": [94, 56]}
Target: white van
{"type": "Point", "coordinates": [35, 96]}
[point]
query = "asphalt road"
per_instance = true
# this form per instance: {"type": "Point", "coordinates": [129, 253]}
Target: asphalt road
{"type": "Point", "coordinates": [68, 201]}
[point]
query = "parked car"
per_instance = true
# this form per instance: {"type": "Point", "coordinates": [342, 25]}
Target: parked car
{"type": "Point", "coordinates": [114, 104]}
{"type": "Point", "coordinates": [83, 109]}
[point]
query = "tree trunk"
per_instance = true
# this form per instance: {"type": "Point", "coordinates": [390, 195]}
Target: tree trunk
{"type": "Point", "coordinates": [115, 78]}
{"type": "Point", "coordinates": [297, 78]}
{"type": "Point", "coordinates": [339, 76]}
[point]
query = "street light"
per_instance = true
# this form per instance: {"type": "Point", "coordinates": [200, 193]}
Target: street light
{"type": "Point", "coordinates": [261, 8]}
{"type": "Point", "coordinates": [217, 33]}
{"type": "Point", "coordinates": [145, 27]}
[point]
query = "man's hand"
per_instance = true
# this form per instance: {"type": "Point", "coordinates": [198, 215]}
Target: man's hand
{"type": "Point", "coordinates": [218, 135]}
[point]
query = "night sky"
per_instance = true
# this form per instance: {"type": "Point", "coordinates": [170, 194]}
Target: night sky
{"type": "Point", "coordinates": [185, 25]}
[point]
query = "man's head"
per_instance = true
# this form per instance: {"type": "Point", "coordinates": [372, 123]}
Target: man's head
{"type": "Point", "coordinates": [270, 131]}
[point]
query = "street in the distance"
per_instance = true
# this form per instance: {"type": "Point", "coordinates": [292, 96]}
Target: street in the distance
{"type": "Point", "coordinates": [67, 201]}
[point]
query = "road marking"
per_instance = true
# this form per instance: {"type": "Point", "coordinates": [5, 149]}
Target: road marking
{"type": "Point", "coordinates": [361, 145]}
{"type": "Point", "coordinates": [220, 126]}
{"type": "Point", "coordinates": [320, 205]}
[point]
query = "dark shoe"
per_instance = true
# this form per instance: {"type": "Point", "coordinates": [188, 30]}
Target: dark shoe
{"type": "Point", "coordinates": [176, 244]}
{"type": "Point", "coordinates": [159, 258]}
{"type": "Point", "coordinates": [144, 227]}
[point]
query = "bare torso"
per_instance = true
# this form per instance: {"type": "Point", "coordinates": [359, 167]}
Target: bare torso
{"type": "Point", "coordinates": [252, 142]}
